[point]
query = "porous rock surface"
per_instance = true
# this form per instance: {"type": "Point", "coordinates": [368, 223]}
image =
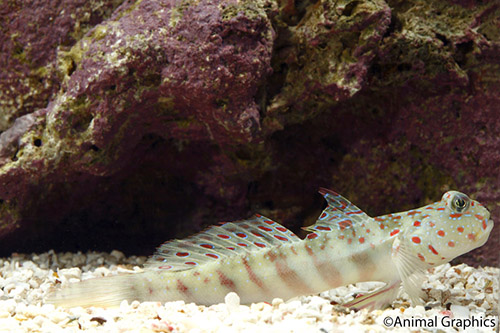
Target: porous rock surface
{"type": "Point", "coordinates": [137, 121]}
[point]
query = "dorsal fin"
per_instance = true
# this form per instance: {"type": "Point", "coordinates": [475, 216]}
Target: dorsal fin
{"type": "Point", "coordinates": [340, 214]}
{"type": "Point", "coordinates": [219, 242]}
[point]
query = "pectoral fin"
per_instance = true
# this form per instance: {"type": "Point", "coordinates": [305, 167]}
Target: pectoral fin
{"type": "Point", "coordinates": [410, 268]}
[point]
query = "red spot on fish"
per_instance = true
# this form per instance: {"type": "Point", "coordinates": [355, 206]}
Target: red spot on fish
{"type": "Point", "coordinates": [356, 212]}
{"type": "Point", "coordinates": [343, 204]}
{"type": "Point", "coordinates": [455, 215]}
{"type": "Point", "coordinates": [425, 216]}
{"type": "Point", "coordinates": [258, 215]}
{"type": "Point", "coordinates": [440, 208]}
{"type": "Point", "coordinates": [416, 240]}
{"type": "Point", "coordinates": [430, 207]}
{"type": "Point", "coordinates": [323, 215]}
{"type": "Point", "coordinates": [345, 224]}
{"type": "Point", "coordinates": [181, 287]}
{"type": "Point", "coordinates": [269, 221]}
{"type": "Point", "coordinates": [394, 232]}
{"type": "Point", "coordinates": [293, 250]}
{"type": "Point", "coordinates": [241, 235]}
{"type": "Point", "coordinates": [416, 224]}
{"type": "Point", "coordinates": [282, 229]}
{"type": "Point", "coordinates": [484, 225]}
{"type": "Point", "coordinates": [196, 273]}
{"type": "Point", "coordinates": [259, 244]}
{"type": "Point", "coordinates": [379, 219]}
{"type": "Point", "coordinates": [211, 255]}
{"type": "Point", "coordinates": [451, 244]}
{"type": "Point", "coordinates": [309, 250]}
{"type": "Point", "coordinates": [182, 254]}
{"type": "Point", "coordinates": [165, 267]}
{"type": "Point", "coordinates": [421, 257]}
{"type": "Point", "coordinates": [281, 238]}
{"type": "Point", "coordinates": [349, 241]}
{"type": "Point", "coordinates": [479, 217]}
{"type": "Point", "coordinates": [225, 281]}
{"type": "Point", "coordinates": [397, 217]}
{"type": "Point", "coordinates": [413, 213]}
{"type": "Point", "coordinates": [261, 227]}
{"type": "Point", "coordinates": [431, 224]}
{"type": "Point", "coordinates": [207, 246]}
{"type": "Point", "coordinates": [223, 236]}
{"type": "Point", "coordinates": [341, 236]}
{"type": "Point", "coordinates": [312, 236]}
{"type": "Point", "coordinates": [230, 248]}
{"type": "Point", "coordinates": [441, 233]}
{"type": "Point", "coordinates": [433, 250]}
{"type": "Point", "coordinates": [367, 231]}
{"type": "Point", "coordinates": [257, 234]}
{"type": "Point", "coordinates": [319, 227]}
{"type": "Point", "coordinates": [242, 244]}
{"type": "Point", "coordinates": [361, 240]}
{"type": "Point", "coordinates": [191, 263]}
{"type": "Point", "coordinates": [252, 276]}
{"type": "Point", "coordinates": [471, 236]}
{"type": "Point", "coordinates": [460, 229]}
{"type": "Point", "coordinates": [382, 226]}
{"type": "Point", "coordinates": [206, 280]}
{"type": "Point", "coordinates": [271, 256]}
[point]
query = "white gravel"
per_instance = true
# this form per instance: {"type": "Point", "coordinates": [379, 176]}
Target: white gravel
{"type": "Point", "coordinates": [460, 292]}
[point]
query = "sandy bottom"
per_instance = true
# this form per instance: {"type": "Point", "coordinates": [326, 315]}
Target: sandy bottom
{"type": "Point", "coordinates": [459, 296]}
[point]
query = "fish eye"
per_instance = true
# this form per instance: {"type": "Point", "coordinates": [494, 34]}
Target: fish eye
{"type": "Point", "coordinates": [460, 203]}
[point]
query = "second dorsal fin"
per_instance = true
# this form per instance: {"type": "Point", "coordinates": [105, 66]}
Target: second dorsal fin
{"type": "Point", "coordinates": [220, 242]}
{"type": "Point", "coordinates": [340, 214]}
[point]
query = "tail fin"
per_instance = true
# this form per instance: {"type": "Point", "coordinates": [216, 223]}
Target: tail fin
{"type": "Point", "coordinates": [107, 291]}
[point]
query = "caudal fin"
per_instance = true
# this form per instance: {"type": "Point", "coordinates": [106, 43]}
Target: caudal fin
{"type": "Point", "coordinates": [107, 291]}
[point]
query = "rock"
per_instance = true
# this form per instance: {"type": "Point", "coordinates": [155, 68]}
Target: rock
{"type": "Point", "coordinates": [162, 74]}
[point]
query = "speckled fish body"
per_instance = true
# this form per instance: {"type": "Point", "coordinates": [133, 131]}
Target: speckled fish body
{"type": "Point", "coordinates": [260, 260]}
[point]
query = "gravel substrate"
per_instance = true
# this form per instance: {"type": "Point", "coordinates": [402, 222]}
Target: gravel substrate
{"type": "Point", "coordinates": [460, 292]}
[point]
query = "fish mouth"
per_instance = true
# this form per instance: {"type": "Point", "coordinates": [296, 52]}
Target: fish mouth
{"type": "Point", "coordinates": [490, 225]}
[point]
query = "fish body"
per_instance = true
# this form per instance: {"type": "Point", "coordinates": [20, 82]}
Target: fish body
{"type": "Point", "coordinates": [260, 259]}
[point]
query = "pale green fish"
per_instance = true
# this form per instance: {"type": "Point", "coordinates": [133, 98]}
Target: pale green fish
{"type": "Point", "coordinates": [260, 260]}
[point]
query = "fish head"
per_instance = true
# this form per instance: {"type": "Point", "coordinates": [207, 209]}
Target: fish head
{"type": "Point", "coordinates": [449, 228]}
